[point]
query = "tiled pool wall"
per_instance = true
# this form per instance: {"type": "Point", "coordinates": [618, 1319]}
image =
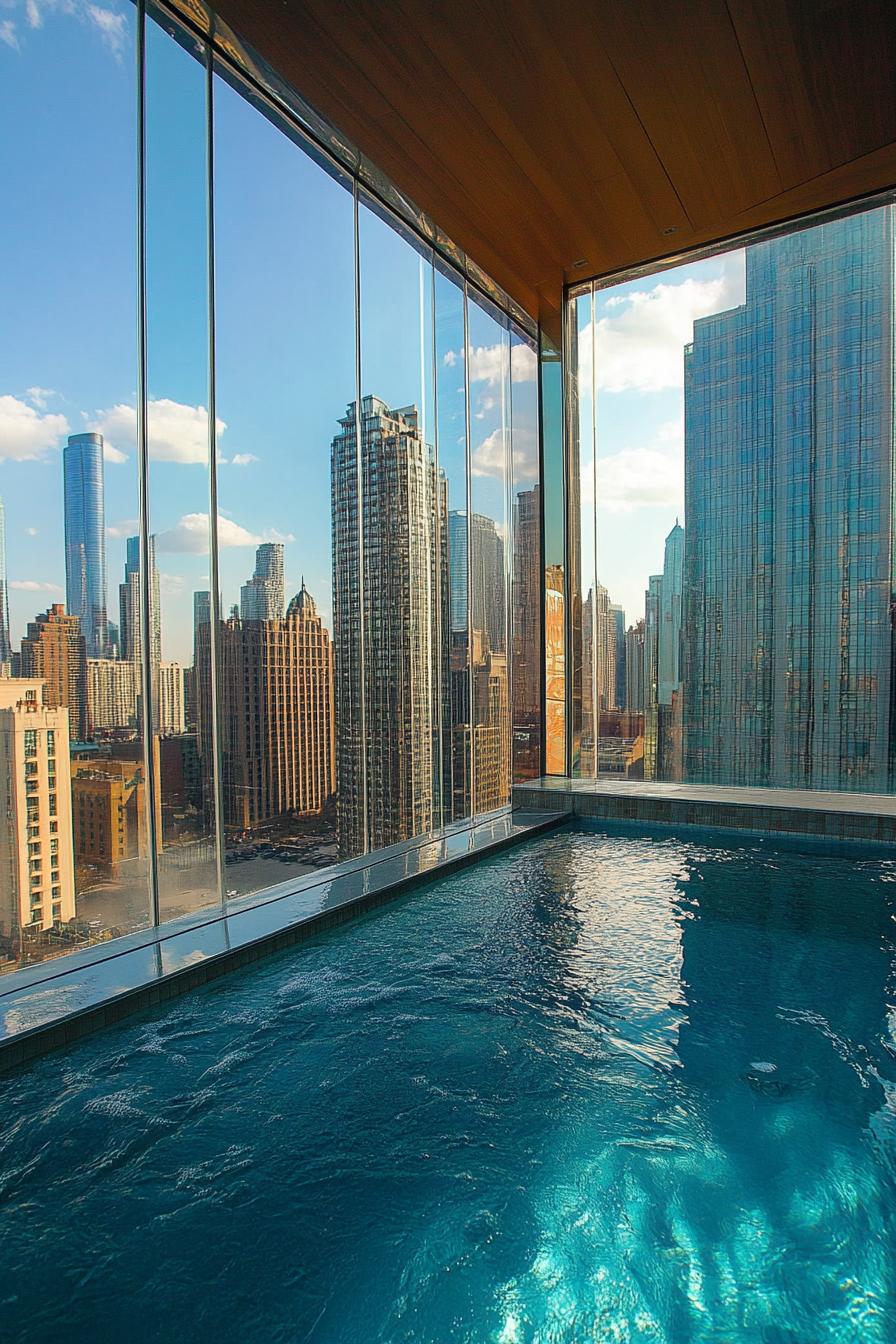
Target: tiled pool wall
{"type": "Point", "coordinates": [820, 823]}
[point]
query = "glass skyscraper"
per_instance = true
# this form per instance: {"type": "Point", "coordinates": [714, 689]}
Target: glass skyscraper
{"type": "Point", "coordinates": [85, 541]}
{"type": "Point", "coordinates": [5, 642]}
{"type": "Point", "coordinates": [788, 561]}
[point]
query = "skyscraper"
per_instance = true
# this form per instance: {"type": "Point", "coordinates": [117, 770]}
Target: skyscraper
{"type": "Point", "coordinates": [385, 629]}
{"type": "Point", "coordinates": [458, 570]}
{"type": "Point", "coordinates": [5, 640]}
{"type": "Point", "coordinates": [634, 668]}
{"type": "Point", "coordinates": [129, 605]}
{"type": "Point", "coordinates": [789, 558]}
{"type": "Point", "coordinates": [527, 647]}
{"type": "Point", "coordinates": [662, 663]}
{"type": "Point", "coordinates": [85, 538]}
{"type": "Point", "coordinates": [617, 615]}
{"type": "Point", "coordinates": [261, 598]}
{"type": "Point", "coordinates": [276, 715]}
{"type": "Point", "coordinates": [53, 651]}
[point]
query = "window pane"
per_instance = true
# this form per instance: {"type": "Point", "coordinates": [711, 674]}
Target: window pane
{"type": "Point", "coordinates": [554, 560]}
{"type": "Point", "coordinates": [403, 514]}
{"type": "Point", "coordinates": [527, 563]}
{"type": "Point", "coordinates": [285, 373]}
{"type": "Point", "coordinates": [69, 370]}
{"type": "Point", "coordinates": [451, 406]}
{"type": "Point", "coordinates": [489, 373]}
{"type": "Point", "coordinates": [178, 453]}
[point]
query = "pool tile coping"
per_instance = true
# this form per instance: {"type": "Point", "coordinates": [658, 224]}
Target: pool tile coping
{"type": "Point", "coordinates": [42, 1015]}
{"type": "Point", "coordinates": [854, 817]}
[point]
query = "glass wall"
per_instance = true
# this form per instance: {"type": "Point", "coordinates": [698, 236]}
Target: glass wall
{"type": "Point", "coordinates": [75, 826]}
{"type": "Point", "coordinates": [744, 418]}
{"type": "Point", "coordinates": [269, 501]}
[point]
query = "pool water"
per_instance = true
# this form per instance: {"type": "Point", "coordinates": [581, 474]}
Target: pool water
{"type": "Point", "coordinates": [598, 1088]}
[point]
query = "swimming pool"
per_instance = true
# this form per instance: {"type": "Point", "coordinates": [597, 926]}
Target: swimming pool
{"type": "Point", "coordinates": [600, 1087]}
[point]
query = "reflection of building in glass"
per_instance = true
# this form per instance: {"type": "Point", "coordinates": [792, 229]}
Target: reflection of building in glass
{"type": "Point", "coordinates": [618, 615]}
{"type": "Point", "coordinates": [621, 744]}
{"type": "Point", "coordinates": [386, 621]}
{"type": "Point", "coordinates": [5, 639]}
{"type": "Point", "coordinates": [262, 596]}
{"type": "Point", "coordinates": [171, 715]}
{"type": "Point", "coordinates": [53, 652]}
{"type": "Point", "coordinates": [480, 548]}
{"type": "Point", "coordinates": [276, 715]}
{"type": "Point", "coordinates": [37, 875]}
{"type": "Point", "coordinates": [527, 634]}
{"type": "Point", "coordinates": [662, 663]}
{"type": "Point", "coordinates": [113, 687]}
{"type": "Point", "coordinates": [85, 539]}
{"type": "Point", "coordinates": [788, 568]}
{"type": "Point", "coordinates": [129, 605]}
{"type": "Point", "coordinates": [489, 715]}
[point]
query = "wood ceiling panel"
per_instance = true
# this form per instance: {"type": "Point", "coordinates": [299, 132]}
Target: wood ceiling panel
{"type": "Point", "coordinates": [608, 132]}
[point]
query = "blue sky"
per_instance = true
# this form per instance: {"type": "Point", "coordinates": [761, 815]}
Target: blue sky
{"type": "Point", "coordinates": [284, 332]}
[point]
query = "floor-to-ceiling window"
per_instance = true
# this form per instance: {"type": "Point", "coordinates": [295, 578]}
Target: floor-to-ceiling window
{"type": "Point", "coordinates": [270, 534]}
{"type": "Point", "coordinates": [742, 409]}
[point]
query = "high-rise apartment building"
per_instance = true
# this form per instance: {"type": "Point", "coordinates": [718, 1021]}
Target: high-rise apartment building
{"type": "Point", "coordinates": [527, 671]}
{"type": "Point", "coordinates": [276, 715]}
{"type": "Point", "coordinates": [387, 595]}
{"type": "Point", "coordinates": [617, 616]}
{"type": "Point", "coordinates": [131, 633]}
{"type": "Point", "coordinates": [261, 598]}
{"type": "Point", "coordinates": [85, 539]}
{"type": "Point", "coordinates": [634, 668]}
{"type": "Point", "coordinates": [458, 571]}
{"type": "Point", "coordinates": [789, 490]}
{"type": "Point", "coordinates": [53, 651]}
{"type": "Point", "coordinates": [171, 715]}
{"type": "Point", "coordinates": [113, 688]}
{"type": "Point", "coordinates": [5, 637]}
{"type": "Point", "coordinates": [37, 873]}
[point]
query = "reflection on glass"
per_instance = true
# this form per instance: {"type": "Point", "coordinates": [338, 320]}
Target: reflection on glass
{"type": "Point", "coordinates": [554, 486]}
{"type": "Point", "coordinates": [402, 503]}
{"type": "Point", "coordinates": [73, 832]}
{"type": "Point", "coordinates": [488, 362]}
{"type": "Point", "coordinates": [178, 453]}
{"type": "Point", "coordinates": [526, 566]}
{"type": "Point", "coordinates": [590, 671]}
{"type": "Point", "coordinates": [285, 372]}
{"type": "Point", "coordinates": [451, 402]}
{"type": "Point", "coordinates": [745, 470]}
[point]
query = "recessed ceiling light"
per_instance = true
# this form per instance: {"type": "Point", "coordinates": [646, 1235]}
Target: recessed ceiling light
{"type": "Point", "coordinates": [673, 228]}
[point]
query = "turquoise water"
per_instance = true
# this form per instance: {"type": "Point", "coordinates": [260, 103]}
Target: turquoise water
{"type": "Point", "coordinates": [600, 1088]}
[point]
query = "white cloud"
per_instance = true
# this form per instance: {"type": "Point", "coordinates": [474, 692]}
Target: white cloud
{"type": "Point", "coordinates": [450, 358]}
{"type": "Point", "coordinates": [190, 535]}
{"type": "Point", "coordinates": [171, 584]}
{"type": "Point", "coordinates": [175, 432]}
{"type": "Point", "coordinates": [8, 34]}
{"type": "Point", "coordinates": [33, 14]}
{"type": "Point", "coordinates": [25, 433]}
{"type": "Point", "coordinates": [640, 344]}
{"type": "Point", "coordinates": [39, 396]}
{"type": "Point", "coordinates": [31, 531]}
{"type": "Point", "coordinates": [32, 586]}
{"type": "Point", "coordinates": [488, 363]}
{"type": "Point", "coordinates": [488, 457]}
{"type": "Point", "coordinates": [127, 527]}
{"type": "Point", "coordinates": [243, 459]}
{"type": "Point", "coordinates": [112, 27]}
{"type": "Point", "coordinates": [651, 475]}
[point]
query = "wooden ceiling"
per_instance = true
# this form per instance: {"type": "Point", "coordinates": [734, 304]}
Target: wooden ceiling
{"type": "Point", "coordinates": [558, 139]}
